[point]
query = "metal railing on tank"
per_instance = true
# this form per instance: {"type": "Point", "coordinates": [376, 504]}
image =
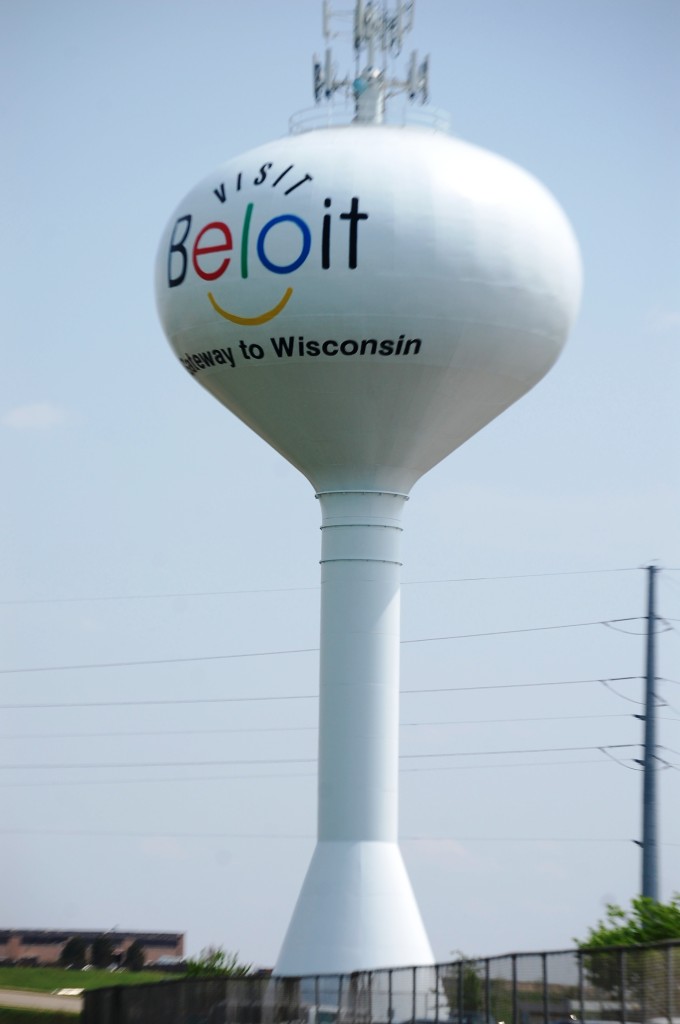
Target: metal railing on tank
{"type": "Point", "coordinates": [336, 115]}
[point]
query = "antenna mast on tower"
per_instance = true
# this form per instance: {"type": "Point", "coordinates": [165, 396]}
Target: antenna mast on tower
{"type": "Point", "coordinates": [377, 34]}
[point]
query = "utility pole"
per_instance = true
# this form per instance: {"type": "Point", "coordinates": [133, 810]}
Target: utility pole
{"type": "Point", "coordinates": [650, 884]}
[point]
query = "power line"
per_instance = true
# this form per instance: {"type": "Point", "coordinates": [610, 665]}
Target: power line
{"type": "Point", "coordinates": [52, 766]}
{"type": "Point", "coordinates": [289, 590]}
{"type": "Point", "coordinates": [621, 764]}
{"type": "Point", "coordinates": [300, 650]}
{"type": "Point", "coordinates": [631, 700]}
{"type": "Point", "coordinates": [632, 632]}
{"type": "Point", "coordinates": [169, 595]}
{"type": "Point", "coordinates": [526, 629]}
{"type": "Point", "coordinates": [149, 703]}
{"type": "Point", "coordinates": [295, 728]}
{"type": "Point", "coordinates": [529, 575]}
{"type": "Point", "coordinates": [297, 696]}
{"type": "Point", "coordinates": [173, 779]}
{"type": "Point", "coordinates": [193, 779]}
{"type": "Point", "coordinates": [514, 686]}
{"type": "Point", "coordinates": [517, 839]}
{"type": "Point", "coordinates": [510, 764]}
{"type": "Point", "coordinates": [528, 750]}
{"type": "Point", "coordinates": [156, 661]}
{"type": "Point", "coordinates": [258, 836]}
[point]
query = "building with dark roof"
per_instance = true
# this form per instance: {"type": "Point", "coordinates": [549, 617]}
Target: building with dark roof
{"type": "Point", "coordinates": [44, 947]}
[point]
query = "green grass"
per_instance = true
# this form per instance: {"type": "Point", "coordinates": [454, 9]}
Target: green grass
{"type": "Point", "coordinates": [47, 979]}
{"type": "Point", "coordinates": [20, 1015]}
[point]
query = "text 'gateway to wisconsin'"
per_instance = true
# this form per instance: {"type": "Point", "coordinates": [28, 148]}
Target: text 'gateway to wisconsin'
{"type": "Point", "coordinates": [292, 347]}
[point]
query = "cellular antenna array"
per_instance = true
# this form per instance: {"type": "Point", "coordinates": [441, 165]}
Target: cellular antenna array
{"type": "Point", "coordinates": [378, 34]}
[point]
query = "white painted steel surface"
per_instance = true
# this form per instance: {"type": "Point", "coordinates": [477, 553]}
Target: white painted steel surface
{"type": "Point", "coordinates": [366, 299]}
{"type": "Point", "coordinates": [356, 904]}
{"type": "Point", "coordinates": [359, 665]}
{"type": "Point", "coordinates": [460, 250]}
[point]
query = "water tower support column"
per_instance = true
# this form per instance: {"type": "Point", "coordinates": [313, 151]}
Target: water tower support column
{"type": "Point", "coordinates": [357, 880]}
{"type": "Point", "coordinates": [359, 670]}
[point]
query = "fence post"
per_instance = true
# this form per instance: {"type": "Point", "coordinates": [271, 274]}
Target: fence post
{"type": "Point", "coordinates": [413, 994]}
{"type": "Point", "coordinates": [351, 998]}
{"type": "Point", "coordinates": [624, 982]}
{"type": "Point", "coordinates": [669, 981]}
{"type": "Point", "coordinates": [436, 993]}
{"type": "Point", "coordinates": [390, 1008]}
{"type": "Point", "coordinates": [581, 987]}
{"type": "Point", "coordinates": [544, 967]}
{"type": "Point", "coordinates": [515, 1008]}
{"type": "Point", "coordinates": [461, 1006]}
{"type": "Point", "coordinates": [487, 988]}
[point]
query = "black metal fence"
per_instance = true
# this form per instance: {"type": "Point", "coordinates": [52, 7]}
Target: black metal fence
{"type": "Point", "coordinates": [634, 985]}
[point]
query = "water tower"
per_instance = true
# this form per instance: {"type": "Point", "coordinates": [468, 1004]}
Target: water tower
{"type": "Point", "coordinates": [366, 298]}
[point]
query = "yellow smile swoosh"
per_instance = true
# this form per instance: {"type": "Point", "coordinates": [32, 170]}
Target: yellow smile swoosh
{"type": "Point", "coordinates": [248, 321]}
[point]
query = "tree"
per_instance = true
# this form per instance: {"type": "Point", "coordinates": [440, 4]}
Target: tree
{"type": "Point", "coordinates": [215, 962]}
{"type": "Point", "coordinates": [102, 953]}
{"type": "Point", "coordinates": [463, 988]}
{"type": "Point", "coordinates": [135, 957]}
{"type": "Point", "coordinates": [74, 953]}
{"type": "Point", "coordinates": [647, 921]}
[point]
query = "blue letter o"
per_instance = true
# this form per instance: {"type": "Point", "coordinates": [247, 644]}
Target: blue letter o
{"type": "Point", "coordinates": [306, 244]}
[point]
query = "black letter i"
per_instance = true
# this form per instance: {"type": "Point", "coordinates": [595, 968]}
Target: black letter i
{"type": "Point", "coordinates": [326, 238]}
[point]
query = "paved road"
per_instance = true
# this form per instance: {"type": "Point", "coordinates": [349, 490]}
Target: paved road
{"type": "Point", "coordinates": [40, 1000]}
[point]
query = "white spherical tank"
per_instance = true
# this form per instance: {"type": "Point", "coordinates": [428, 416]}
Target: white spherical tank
{"type": "Point", "coordinates": [366, 299]}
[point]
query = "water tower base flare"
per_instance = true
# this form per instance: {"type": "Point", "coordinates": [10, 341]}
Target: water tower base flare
{"type": "Point", "coordinates": [356, 906]}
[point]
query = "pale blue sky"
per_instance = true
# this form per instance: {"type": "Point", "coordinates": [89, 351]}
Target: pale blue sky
{"type": "Point", "coordinates": [124, 480]}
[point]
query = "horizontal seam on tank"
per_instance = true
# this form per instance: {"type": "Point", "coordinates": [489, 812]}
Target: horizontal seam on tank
{"type": "Point", "coordinates": [385, 561]}
{"type": "Point", "coordinates": [391, 494]}
{"type": "Point", "coordinates": [345, 526]}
